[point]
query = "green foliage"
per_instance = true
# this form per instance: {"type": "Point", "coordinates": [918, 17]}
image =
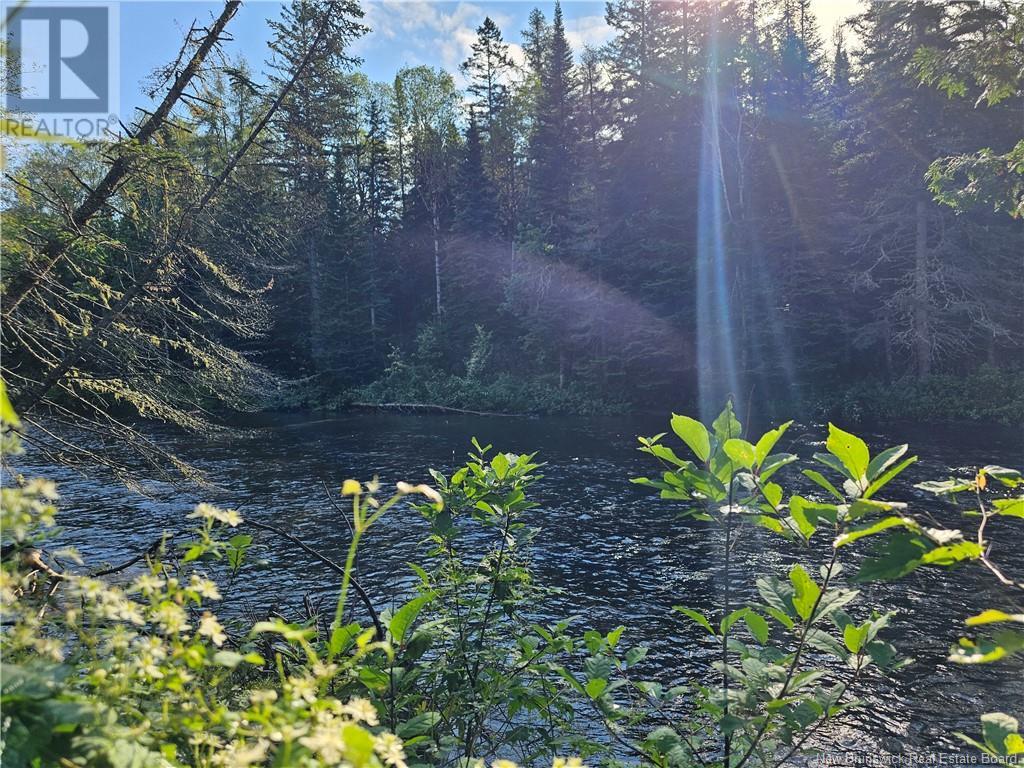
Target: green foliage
{"type": "Point", "coordinates": [422, 378]}
{"type": "Point", "coordinates": [989, 395]}
{"type": "Point", "coordinates": [140, 669]}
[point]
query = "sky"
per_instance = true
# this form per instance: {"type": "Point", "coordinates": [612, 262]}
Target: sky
{"type": "Point", "coordinates": [403, 32]}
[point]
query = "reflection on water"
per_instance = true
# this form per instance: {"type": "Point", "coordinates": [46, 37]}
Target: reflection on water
{"type": "Point", "coordinates": [618, 553]}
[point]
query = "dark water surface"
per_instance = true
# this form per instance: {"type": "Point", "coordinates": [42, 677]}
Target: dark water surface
{"type": "Point", "coordinates": [619, 553]}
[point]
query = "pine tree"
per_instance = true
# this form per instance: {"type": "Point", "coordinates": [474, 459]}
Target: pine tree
{"type": "Point", "coordinates": [476, 204]}
{"type": "Point", "coordinates": [315, 119]}
{"type": "Point", "coordinates": [553, 142]}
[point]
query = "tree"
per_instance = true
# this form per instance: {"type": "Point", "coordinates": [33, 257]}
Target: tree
{"type": "Point", "coordinates": [476, 204]}
{"type": "Point", "coordinates": [433, 143]}
{"type": "Point", "coordinates": [317, 118]}
{"type": "Point", "coordinates": [488, 69]}
{"type": "Point", "coordinates": [553, 142]}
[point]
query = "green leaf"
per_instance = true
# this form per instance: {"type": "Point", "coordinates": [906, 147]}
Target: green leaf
{"type": "Point", "coordinates": [406, 615]}
{"type": "Point", "coordinates": [1008, 477]}
{"type": "Point", "coordinates": [757, 625]}
{"type": "Point", "coordinates": [895, 556]}
{"type": "Point", "coordinates": [596, 687]}
{"type": "Point", "coordinates": [884, 524]}
{"type": "Point", "coordinates": [358, 745]}
{"type": "Point", "coordinates": [694, 434]}
{"type": "Point", "coordinates": [767, 442]}
{"type": "Point", "coordinates": [885, 459]}
{"type": "Point", "coordinates": [418, 725]}
{"type": "Point", "coordinates": [996, 728]}
{"type": "Point", "coordinates": [822, 481]}
{"type": "Point", "coordinates": [731, 619]}
{"type": "Point", "coordinates": [500, 465]}
{"type": "Point", "coordinates": [832, 462]}
{"type": "Point", "coordinates": [888, 475]}
{"type": "Point", "coordinates": [1010, 507]}
{"type": "Point", "coordinates": [806, 592]}
{"type": "Point", "coordinates": [952, 553]}
{"type": "Point", "coordinates": [851, 451]}
{"type": "Point", "coordinates": [774, 463]}
{"type": "Point", "coordinates": [992, 616]}
{"type": "Point", "coordinates": [854, 636]}
{"type": "Point", "coordinates": [741, 452]}
{"type": "Point", "coordinates": [726, 425]}
{"type": "Point", "coordinates": [696, 616]}
{"type": "Point", "coordinates": [8, 417]}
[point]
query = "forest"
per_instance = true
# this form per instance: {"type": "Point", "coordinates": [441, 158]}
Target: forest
{"type": "Point", "coordinates": [245, 339]}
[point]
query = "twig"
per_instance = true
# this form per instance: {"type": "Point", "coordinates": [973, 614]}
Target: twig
{"type": "Point", "coordinates": [330, 564]}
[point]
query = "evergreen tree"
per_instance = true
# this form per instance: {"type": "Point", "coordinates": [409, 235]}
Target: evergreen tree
{"type": "Point", "coordinates": [476, 205]}
{"type": "Point", "coordinates": [315, 120]}
{"type": "Point", "coordinates": [553, 142]}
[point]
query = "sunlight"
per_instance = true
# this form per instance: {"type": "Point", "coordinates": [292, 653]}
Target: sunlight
{"type": "Point", "coordinates": [716, 353]}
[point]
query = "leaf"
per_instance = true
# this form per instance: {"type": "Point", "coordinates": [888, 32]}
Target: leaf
{"type": "Point", "coordinates": [696, 616]}
{"type": "Point", "coordinates": [774, 463]}
{"type": "Point", "coordinates": [851, 451]}
{"type": "Point", "coordinates": [1008, 477]}
{"type": "Point", "coordinates": [884, 460]}
{"type": "Point", "coordinates": [7, 415]}
{"type": "Point", "coordinates": [806, 592]}
{"type": "Point", "coordinates": [942, 487]}
{"type": "Point", "coordinates": [777, 595]}
{"type": "Point", "coordinates": [741, 452]}
{"type": "Point", "coordinates": [596, 687]}
{"type": "Point", "coordinates": [884, 524]}
{"type": "Point", "coordinates": [767, 442]}
{"type": "Point", "coordinates": [757, 625]}
{"type": "Point", "coordinates": [882, 481]}
{"type": "Point", "coordinates": [996, 727]}
{"type": "Point", "coordinates": [991, 616]}
{"type": "Point", "coordinates": [500, 465]}
{"type": "Point", "coordinates": [894, 557]}
{"type": "Point", "coordinates": [772, 494]}
{"type": "Point", "coordinates": [832, 462]}
{"type": "Point", "coordinates": [406, 615]}
{"type": "Point", "coordinates": [418, 725]}
{"type": "Point", "coordinates": [358, 745]}
{"type": "Point", "coordinates": [731, 619]}
{"type": "Point", "coordinates": [1002, 644]}
{"type": "Point", "coordinates": [822, 481]}
{"type": "Point", "coordinates": [694, 434]}
{"type": "Point", "coordinates": [1010, 507]}
{"type": "Point", "coordinates": [854, 636]}
{"type": "Point", "coordinates": [726, 425]}
{"type": "Point", "coordinates": [864, 506]}
{"type": "Point", "coordinates": [952, 553]}
{"type": "Point", "coordinates": [809, 514]}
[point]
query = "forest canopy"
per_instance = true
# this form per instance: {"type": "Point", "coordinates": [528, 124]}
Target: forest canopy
{"type": "Point", "coordinates": [717, 201]}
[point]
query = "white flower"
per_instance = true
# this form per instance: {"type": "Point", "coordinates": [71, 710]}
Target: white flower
{"type": "Point", "coordinates": [389, 747]}
{"type": "Point", "coordinates": [205, 587]}
{"type": "Point", "coordinates": [361, 710]}
{"type": "Point", "coordinates": [211, 628]}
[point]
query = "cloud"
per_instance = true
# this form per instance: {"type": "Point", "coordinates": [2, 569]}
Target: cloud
{"type": "Point", "coordinates": [438, 34]}
{"type": "Point", "coordinates": [588, 30]}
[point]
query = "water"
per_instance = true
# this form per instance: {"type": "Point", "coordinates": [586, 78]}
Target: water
{"type": "Point", "coordinates": [620, 554]}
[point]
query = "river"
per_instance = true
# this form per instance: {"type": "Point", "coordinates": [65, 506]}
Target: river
{"type": "Point", "coordinates": [619, 554]}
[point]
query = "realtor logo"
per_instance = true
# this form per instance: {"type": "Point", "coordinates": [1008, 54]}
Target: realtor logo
{"type": "Point", "coordinates": [62, 67]}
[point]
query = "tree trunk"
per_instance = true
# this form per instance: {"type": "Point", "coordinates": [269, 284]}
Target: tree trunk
{"type": "Point", "coordinates": [57, 245]}
{"type": "Point", "coordinates": [436, 226]}
{"type": "Point", "coordinates": [922, 329]}
{"type": "Point", "coordinates": [316, 326]}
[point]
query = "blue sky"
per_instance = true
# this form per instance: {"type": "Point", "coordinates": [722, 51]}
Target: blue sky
{"type": "Point", "coordinates": [402, 31]}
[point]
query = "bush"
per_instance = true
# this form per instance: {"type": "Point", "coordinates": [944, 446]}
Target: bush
{"type": "Point", "coordinates": [142, 672]}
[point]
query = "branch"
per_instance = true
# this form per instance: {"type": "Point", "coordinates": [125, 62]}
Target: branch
{"type": "Point", "coordinates": [330, 564]}
{"type": "Point", "coordinates": [56, 246]}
